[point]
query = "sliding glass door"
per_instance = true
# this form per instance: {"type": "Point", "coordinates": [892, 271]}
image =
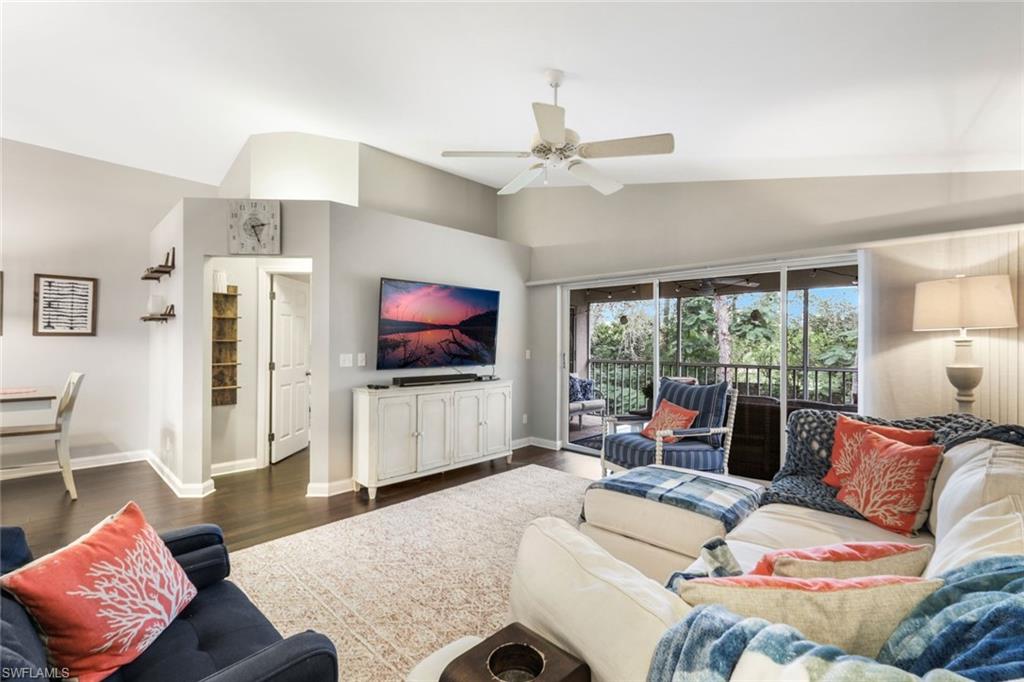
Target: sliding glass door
{"type": "Point", "coordinates": [712, 328]}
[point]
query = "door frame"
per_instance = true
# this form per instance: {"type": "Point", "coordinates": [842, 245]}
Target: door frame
{"type": "Point", "coordinates": [264, 277]}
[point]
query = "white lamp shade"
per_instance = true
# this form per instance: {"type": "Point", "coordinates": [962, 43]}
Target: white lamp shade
{"type": "Point", "coordinates": [984, 302]}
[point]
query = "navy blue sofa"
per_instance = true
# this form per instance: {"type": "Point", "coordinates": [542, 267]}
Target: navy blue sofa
{"type": "Point", "coordinates": [220, 637]}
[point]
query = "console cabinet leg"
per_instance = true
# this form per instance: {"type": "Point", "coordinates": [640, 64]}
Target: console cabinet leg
{"type": "Point", "coordinates": [508, 458]}
{"type": "Point", "coordinates": [372, 492]}
{"type": "Point", "coordinates": [355, 486]}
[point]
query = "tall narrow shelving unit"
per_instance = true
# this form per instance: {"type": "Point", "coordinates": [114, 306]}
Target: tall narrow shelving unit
{"type": "Point", "coordinates": [225, 347]}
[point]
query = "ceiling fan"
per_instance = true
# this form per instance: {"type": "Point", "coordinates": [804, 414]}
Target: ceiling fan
{"type": "Point", "coordinates": [707, 287]}
{"type": "Point", "coordinates": [556, 146]}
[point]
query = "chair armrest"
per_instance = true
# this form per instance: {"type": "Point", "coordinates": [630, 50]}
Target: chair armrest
{"type": "Point", "coordinates": [683, 433]}
{"type": "Point", "coordinates": [303, 657]}
{"type": "Point", "coordinates": [201, 552]}
{"type": "Point", "coordinates": [190, 538]}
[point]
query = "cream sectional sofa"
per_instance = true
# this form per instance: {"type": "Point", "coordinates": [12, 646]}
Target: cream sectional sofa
{"type": "Point", "coordinates": [604, 609]}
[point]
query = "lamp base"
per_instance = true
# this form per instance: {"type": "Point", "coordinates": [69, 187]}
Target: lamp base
{"type": "Point", "coordinates": [963, 374]}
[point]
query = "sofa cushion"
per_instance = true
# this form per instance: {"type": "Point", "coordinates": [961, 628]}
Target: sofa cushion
{"type": "Point", "coordinates": [602, 610]}
{"type": "Point", "coordinates": [631, 450]}
{"type": "Point", "coordinates": [785, 526]}
{"type": "Point", "coordinates": [971, 476]}
{"type": "Point", "coordinates": [846, 560]}
{"type": "Point", "coordinates": [846, 450]}
{"type": "Point", "coordinates": [20, 645]}
{"type": "Point", "coordinates": [996, 529]}
{"type": "Point", "coordinates": [220, 627]}
{"type": "Point", "coordinates": [709, 401]}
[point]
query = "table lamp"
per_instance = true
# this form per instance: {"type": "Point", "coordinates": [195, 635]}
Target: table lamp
{"type": "Point", "coordinates": [963, 303]}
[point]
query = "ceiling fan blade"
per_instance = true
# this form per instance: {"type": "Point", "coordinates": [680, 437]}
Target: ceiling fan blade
{"type": "Point", "coordinates": [550, 123]}
{"type": "Point", "coordinates": [486, 155]}
{"type": "Point", "coordinates": [590, 175]}
{"type": "Point", "coordinates": [664, 143]}
{"type": "Point", "coordinates": [523, 179]}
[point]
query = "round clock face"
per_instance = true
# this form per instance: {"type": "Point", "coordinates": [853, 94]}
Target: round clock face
{"type": "Point", "coordinates": [254, 227]}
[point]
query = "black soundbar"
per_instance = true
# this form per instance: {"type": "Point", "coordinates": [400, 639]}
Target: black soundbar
{"type": "Point", "coordinates": [432, 379]}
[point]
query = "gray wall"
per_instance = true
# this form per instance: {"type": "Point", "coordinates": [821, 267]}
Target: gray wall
{"type": "Point", "coordinates": [71, 215]}
{"type": "Point", "coordinates": [578, 233]}
{"type": "Point", "coordinates": [397, 185]}
{"type": "Point", "coordinates": [367, 245]}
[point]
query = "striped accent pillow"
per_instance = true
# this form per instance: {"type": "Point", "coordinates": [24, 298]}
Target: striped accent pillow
{"type": "Point", "coordinates": [709, 401]}
{"type": "Point", "coordinates": [856, 615]}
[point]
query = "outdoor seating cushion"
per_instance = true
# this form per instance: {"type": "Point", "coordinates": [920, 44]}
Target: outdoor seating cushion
{"type": "Point", "coordinates": [586, 405]}
{"type": "Point", "coordinates": [656, 523]}
{"type": "Point", "coordinates": [220, 627]}
{"type": "Point", "coordinates": [632, 450]}
{"type": "Point", "coordinates": [710, 401]}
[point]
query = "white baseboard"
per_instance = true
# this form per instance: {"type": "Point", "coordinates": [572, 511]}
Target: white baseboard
{"type": "Point", "coordinates": [174, 483]}
{"type": "Point", "coordinates": [520, 443]}
{"type": "Point", "coordinates": [539, 442]}
{"type": "Point", "coordinates": [222, 468]}
{"type": "Point", "coordinates": [330, 488]}
{"type": "Point", "coordinates": [77, 463]}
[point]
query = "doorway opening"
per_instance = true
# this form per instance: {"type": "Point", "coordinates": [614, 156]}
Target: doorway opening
{"type": "Point", "coordinates": [269, 420]}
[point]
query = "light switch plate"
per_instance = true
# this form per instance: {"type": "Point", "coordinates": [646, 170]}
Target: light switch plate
{"type": "Point", "coordinates": [361, 359]}
{"type": "Point", "coordinates": [345, 360]}
{"type": "Point", "coordinates": [527, 353]}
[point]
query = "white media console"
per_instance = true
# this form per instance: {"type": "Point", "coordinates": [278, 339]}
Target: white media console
{"type": "Point", "coordinates": [402, 433]}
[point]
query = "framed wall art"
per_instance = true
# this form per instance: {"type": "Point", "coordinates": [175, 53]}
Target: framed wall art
{"type": "Point", "coordinates": [64, 305]}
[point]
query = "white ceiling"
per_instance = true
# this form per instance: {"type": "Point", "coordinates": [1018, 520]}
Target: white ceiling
{"type": "Point", "coordinates": [750, 91]}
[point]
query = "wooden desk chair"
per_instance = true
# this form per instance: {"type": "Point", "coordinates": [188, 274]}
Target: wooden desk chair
{"type": "Point", "coordinates": [59, 431]}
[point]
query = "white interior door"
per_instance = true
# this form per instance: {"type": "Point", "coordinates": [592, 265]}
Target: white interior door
{"type": "Point", "coordinates": [290, 373]}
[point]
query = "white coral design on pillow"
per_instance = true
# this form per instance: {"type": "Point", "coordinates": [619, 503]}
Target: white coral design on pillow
{"type": "Point", "coordinates": [140, 593]}
{"type": "Point", "coordinates": [849, 452]}
{"type": "Point", "coordinates": [882, 487]}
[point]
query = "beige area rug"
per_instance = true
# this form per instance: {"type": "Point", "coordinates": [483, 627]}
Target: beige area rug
{"type": "Point", "coordinates": [391, 586]}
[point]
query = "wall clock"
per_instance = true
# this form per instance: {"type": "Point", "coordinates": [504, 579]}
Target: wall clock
{"type": "Point", "coordinates": [254, 227]}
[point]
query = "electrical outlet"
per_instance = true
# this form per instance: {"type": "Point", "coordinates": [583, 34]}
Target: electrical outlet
{"type": "Point", "coordinates": [345, 360]}
{"type": "Point", "coordinates": [526, 417]}
{"type": "Point", "coordinates": [361, 359]}
{"type": "Point", "coordinates": [527, 353]}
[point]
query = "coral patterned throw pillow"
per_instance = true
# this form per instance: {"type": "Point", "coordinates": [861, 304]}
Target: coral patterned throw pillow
{"type": "Point", "coordinates": [891, 482]}
{"type": "Point", "coordinates": [669, 416]}
{"type": "Point", "coordinates": [846, 447]}
{"type": "Point", "coordinates": [101, 601]}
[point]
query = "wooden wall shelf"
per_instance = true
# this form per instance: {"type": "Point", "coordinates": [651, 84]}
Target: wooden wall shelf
{"type": "Point", "coordinates": [156, 273]}
{"type": "Point", "coordinates": [157, 318]}
{"type": "Point", "coordinates": [224, 379]}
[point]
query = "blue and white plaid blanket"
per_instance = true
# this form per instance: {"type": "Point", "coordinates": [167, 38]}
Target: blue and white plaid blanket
{"type": "Point", "coordinates": [711, 497]}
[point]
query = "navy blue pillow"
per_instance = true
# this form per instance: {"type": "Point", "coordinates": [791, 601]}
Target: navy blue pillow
{"type": "Point", "coordinates": [575, 394]}
{"type": "Point", "coordinates": [587, 389]}
{"type": "Point", "coordinates": [710, 402]}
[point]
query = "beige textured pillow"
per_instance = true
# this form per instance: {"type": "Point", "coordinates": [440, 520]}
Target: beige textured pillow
{"type": "Point", "coordinates": [856, 615]}
{"type": "Point", "coordinates": [848, 560]}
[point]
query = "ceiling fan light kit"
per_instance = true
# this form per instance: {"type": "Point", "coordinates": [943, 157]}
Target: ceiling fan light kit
{"type": "Point", "coordinates": [556, 146]}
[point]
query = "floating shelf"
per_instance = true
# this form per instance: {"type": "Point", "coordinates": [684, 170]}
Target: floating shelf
{"type": "Point", "coordinates": [224, 379]}
{"type": "Point", "coordinates": [156, 273]}
{"type": "Point", "coordinates": [157, 318]}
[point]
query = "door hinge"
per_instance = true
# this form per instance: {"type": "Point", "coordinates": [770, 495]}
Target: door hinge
{"type": "Point", "coordinates": [270, 438]}
{"type": "Point", "coordinates": [273, 295]}
{"type": "Point", "coordinates": [273, 366]}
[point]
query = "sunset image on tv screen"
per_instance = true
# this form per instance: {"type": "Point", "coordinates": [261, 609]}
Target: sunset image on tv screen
{"type": "Point", "coordinates": [435, 325]}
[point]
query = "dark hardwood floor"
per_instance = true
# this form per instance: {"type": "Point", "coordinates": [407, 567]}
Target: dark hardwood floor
{"type": "Point", "coordinates": [252, 507]}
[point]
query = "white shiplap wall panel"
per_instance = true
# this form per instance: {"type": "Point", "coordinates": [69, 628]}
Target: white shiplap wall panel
{"type": "Point", "coordinates": [904, 371]}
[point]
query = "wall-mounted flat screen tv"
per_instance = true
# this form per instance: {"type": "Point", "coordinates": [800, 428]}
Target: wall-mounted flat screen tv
{"type": "Point", "coordinates": [435, 325]}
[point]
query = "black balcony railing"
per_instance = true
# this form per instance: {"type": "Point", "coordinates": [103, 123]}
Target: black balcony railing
{"type": "Point", "coordinates": [622, 382]}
